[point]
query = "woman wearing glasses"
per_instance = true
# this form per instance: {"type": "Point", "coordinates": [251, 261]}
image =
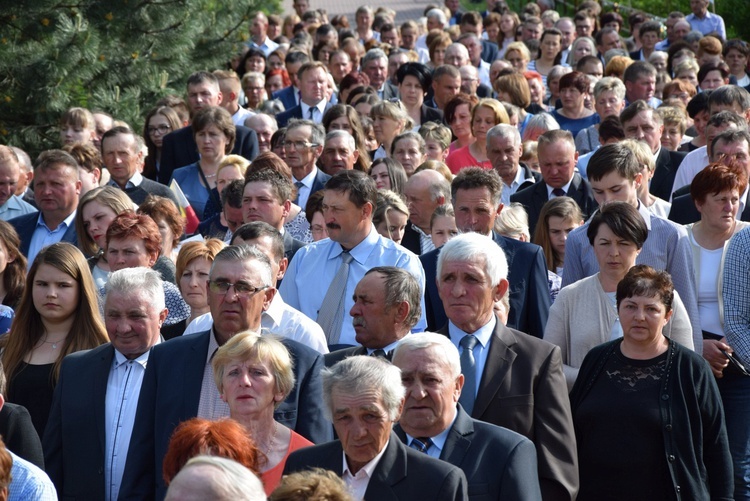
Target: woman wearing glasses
{"type": "Point", "coordinates": [160, 121]}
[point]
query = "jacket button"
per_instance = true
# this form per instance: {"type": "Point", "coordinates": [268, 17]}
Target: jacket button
{"type": "Point", "coordinates": [671, 458]}
{"type": "Point", "coordinates": [668, 427]}
{"type": "Point", "coordinates": [677, 488]}
{"type": "Point", "coordinates": [665, 397]}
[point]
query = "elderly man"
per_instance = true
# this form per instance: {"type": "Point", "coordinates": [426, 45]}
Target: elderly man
{"type": "Point", "coordinates": [557, 161]}
{"type": "Point", "coordinates": [425, 191]}
{"type": "Point", "coordinates": [11, 205]}
{"type": "Point", "coordinates": [215, 478]}
{"type": "Point", "coordinates": [386, 308]}
{"type": "Point", "coordinates": [375, 66]}
{"type": "Point", "coordinates": [313, 100]}
{"type": "Point", "coordinates": [91, 421]}
{"type": "Point", "coordinates": [122, 153]}
{"type": "Point", "coordinates": [264, 126]}
{"type": "Point", "coordinates": [179, 148]}
{"type": "Point", "coordinates": [498, 463]}
{"type": "Point", "coordinates": [56, 191]}
{"type": "Point", "coordinates": [504, 149]}
{"type": "Point", "coordinates": [303, 145]}
{"type": "Point", "coordinates": [476, 200]}
{"type": "Point", "coordinates": [179, 382]}
{"type": "Point", "coordinates": [364, 398]}
{"type": "Point", "coordinates": [446, 84]}
{"type": "Point", "coordinates": [322, 276]}
{"type": "Point", "coordinates": [501, 365]}
{"type": "Point", "coordinates": [259, 34]}
{"type": "Point", "coordinates": [473, 45]}
{"type": "Point", "coordinates": [339, 65]}
{"type": "Point", "coordinates": [339, 152]}
{"type": "Point", "coordinates": [640, 83]}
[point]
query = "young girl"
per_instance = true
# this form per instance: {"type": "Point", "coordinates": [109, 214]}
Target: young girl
{"type": "Point", "coordinates": [390, 216]}
{"type": "Point", "coordinates": [443, 225]}
{"type": "Point", "coordinates": [77, 125]}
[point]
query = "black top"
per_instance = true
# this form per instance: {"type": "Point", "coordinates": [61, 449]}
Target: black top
{"type": "Point", "coordinates": [31, 386]}
{"type": "Point", "coordinates": [620, 446]}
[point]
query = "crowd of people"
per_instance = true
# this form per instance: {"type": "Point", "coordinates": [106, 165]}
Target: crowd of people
{"type": "Point", "coordinates": [477, 255]}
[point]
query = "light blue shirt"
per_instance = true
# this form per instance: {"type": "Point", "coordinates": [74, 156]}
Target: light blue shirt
{"type": "Point", "coordinates": [14, 207]}
{"type": "Point", "coordinates": [29, 482]}
{"type": "Point", "coordinates": [133, 182]}
{"type": "Point", "coordinates": [313, 267]}
{"type": "Point", "coordinates": [43, 236]}
{"type": "Point", "coordinates": [267, 46]}
{"type": "Point", "coordinates": [707, 24]}
{"type": "Point", "coordinates": [438, 441]}
{"type": "Point", "coordinates": [481, 349]}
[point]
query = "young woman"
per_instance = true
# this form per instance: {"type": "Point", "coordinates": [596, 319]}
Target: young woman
{"type": "Point", "coordinates": [12, 267]}
{"type": "Point", "coordinates": [160, 121]}
{"type": "Point", "coordinates": [485, 115]}
{"type": "Point", "coordinates": [390, 215]}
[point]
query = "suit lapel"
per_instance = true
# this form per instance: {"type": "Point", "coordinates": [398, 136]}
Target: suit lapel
{"type": "Point", "coordinates": [390, 470]}
{"type": "Point", "coordinates": [499, 361]}
{"type": "Point", "coordinates": [193, 379]}
{"type": "Point", "coordinates": [458, 441]}
{"type": "Point", "coordinates": [101, 377]}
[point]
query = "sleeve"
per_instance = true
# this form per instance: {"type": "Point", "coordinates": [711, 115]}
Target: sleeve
{"type": "Point", "coordinates": [537, 299]}
{"type": "Point", "coordinates": [167, 161]}
{"type": "Point", "coordinates": [288, 287]}
{"type": "Point", "coordinates": [455, 487]}
{"type": "Point", "coordinates": [557, 332]}
{"type": "Point", "coordinates": [680, 266]}
{"type": "Point", "coordinates": [52, 446]}
{"type": "Point", "coordinates": [249, 148]}
{"type": "Point", "coordinates": [573, 264]}
{"type": "Point", "coordinates": [520, 477]}
{"type": "Point", "coordinates": [736, 296]}
{"type": "Point", "coordinates": [679, 328]}
{"type": "Point", "coordinates": [311, 422]}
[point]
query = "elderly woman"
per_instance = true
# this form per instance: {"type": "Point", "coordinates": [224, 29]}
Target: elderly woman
{"type": "Point", "coordinates": [485, 115]}
{"type": "Point", "coordinates": [214, 133]}
{"type": "Point", "coordinates": [585, 314]}
{"type": "Point", "coordinates": [713, 75]}
{"type": "Point", "coordinates": [414, 80]}
{"type": "Point", "coordinates": [609, 100]}
{"type": "Point", "coordinates": [390, 215]}
{"type": "Point", "coordinates": [254, 87]}
{"type": "Point", "coordinates": [388, 121]}
{"type": "Point", "coordinates": [388, 174]}
{"type": "Point", "coordinates": [574, 116]}
{"type": "Point", "coordinates": [647, 413]}
{"type": "Point", "coordinates": [254, 375]}
{"type": "Point", "coordinates": [345, 117]}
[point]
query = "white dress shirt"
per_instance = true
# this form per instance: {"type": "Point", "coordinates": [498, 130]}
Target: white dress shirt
{"type": "Point", "coordinates": [318, 110]}
{"type": "Point", "coordinates": [357, 483]}
{"type": "Point", "coordinates": [304, 191]}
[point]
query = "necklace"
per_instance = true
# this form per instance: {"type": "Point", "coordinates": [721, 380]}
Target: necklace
{"type": "Point", "coordinates": [53, 343]}
{"type": "Point", "coordinates": [209, 176]}
{"type": "Point", "coordinates": [273, 437]}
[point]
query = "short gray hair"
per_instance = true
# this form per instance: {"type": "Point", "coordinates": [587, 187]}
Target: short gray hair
{"type": "Point", "coordinates": [439, 14]}
{"type": "Point", "coordinates": [611, 84]}
{"type": "Point", "coordinates": [400, 286]}
{"type": "Point", "coordinates": [350, 143]}
{"type": "Point", "coordinates": [242, 253]}
{"type": "Point", "coordinates": [231, 480]}
{"type": "Point", "coordinates": [504, 131]}
{"type": "Point", "coordinates": [424, 340]}
{"type": "Point", "coordinates": [372, 55]}
{"type": "Point", "coordinates": [439, 187]}
{"type": "Point", "coordinates": [469, 248]}
{"type": "Point", "coordinates": [317, 132]}
{"type": "Point", "coordinates": [357, 375]}
{"type": "Point", "coordinates": [143, 281]}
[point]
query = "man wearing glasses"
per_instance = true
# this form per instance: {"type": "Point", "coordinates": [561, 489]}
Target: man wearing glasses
{"type": "Point", "coordinates": [179, 382]}
{"type": "Point", "coordinates": [303, 145]}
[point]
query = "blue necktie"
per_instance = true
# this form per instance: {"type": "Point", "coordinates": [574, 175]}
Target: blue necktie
{"type": "Point", "coordinates": [469, 370]}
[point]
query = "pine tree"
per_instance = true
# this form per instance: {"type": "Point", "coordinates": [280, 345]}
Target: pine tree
{"type": "Point", "coordinates": [119, 56]}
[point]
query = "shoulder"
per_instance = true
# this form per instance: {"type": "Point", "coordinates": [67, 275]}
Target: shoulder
{"type": "Point", "coordinates": [183, 172]}
{"type": "Point", "coordinates": [24, 220]}
{"type": "Point", "coordinates": [181, 343]}
{"type": "Point", "coordinates": [85, 356]}
{"type": "Point", "coordinates": [179, 134]}
{"type": "Point", "coordinates": [666, 227]}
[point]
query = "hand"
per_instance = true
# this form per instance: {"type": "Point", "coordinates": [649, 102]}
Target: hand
{"type": "Point", "coordinates": [716, 359]}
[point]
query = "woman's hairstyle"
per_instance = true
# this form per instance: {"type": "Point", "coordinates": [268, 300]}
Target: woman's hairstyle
{"type": "Point", "coordinates": [218, 116]}
{"type": "Point", "coordinates": [358, 92]}
{"type": "Point", "coordinates": [563, 207]}
{"type": "Point", "coordinates": [501, 116]}
{"type": "Point", "coordinates": [623, 220]}
{"type": "Point", "coordinates": [250, 346]}
{"type": "Point", "coordinates": [517, 88]}
{"type": "Point", "coordinates": [86, 154]}
{"type": "Point", "coordinates": [6, 465]}
{"type": "Point", "coordinates": [149, 165]}
{"type": "Point", "coordinates": [417, 70]}
{"type": "Point", "coordinates": [224, 438]}
{"type": "Point", "coordinates": [579, 40]}
{"type": "Point", "coordinates": [455, 102]}
{"type": "Point", "coordinates": [716, 178]}
{"type": "Point", "coordinates": [394, 111]}
{"type": "Point", "coordinates": [109, 196]}
{"type": "Point", "coordinates": [445, 210]}
{"type": "Point", "coordinates": [434, 131]}
{"type": "Point", "coordinates": [516, 24]}
{"type": "Point", "coordinates": [234, 161]}
{"type": "Point", "coordinates": [616, 66]}
{"type": "Point", "coordinates": [87, 330]}
{"type": "Point", "coordinates": [353, 81]}
{"type": "Point", "coordinates": [720, 66]}
{"type": "Point", "coordinates": [673, 115]}
{"type": "Point", "coordinates": [314, 204]}
{"type": "Point", "coordinates": [315, 484]}
{"type": "Point", "coordinates": [396, 173]}
{"type": "Point", "coordinates": [440, 40]}
{"type": "Point", "coordinates": [128, 224]}
{"type": "Point", "coordinates": [518, 47]}
{"type": "Point", "coordinates": [577, 80]}
{"type": "Point", "coordinates": [538, 125]}
{"type": "Point", "coordinates": [160, 208]}
{"type": "Point", "coordinates": [643, 280]}
{"type": "Point", "coordinates": [388, 201]}
{"type": "Point", "coordinates": [78, 117]}
{"type": "Point", "coordinates": [252, 52]}
{"type": "Point", "coordinates": [678, 85]}
{"type": "Point", "coordinates": [414, 136]}
{"type": "Point", "coordinates": [285, 80]}
{"type": "Point", "coordinates": [610, 84]}
{"type": "Point", "coordinates": [271, 161]}
{"type": "Point", "coordinates": [513, 222]}
{"type": "Point", "coordinates": [686, 65]}
{"type": "Point", "coordinates": [709, 45]}
{"type": "Point", "coordinates": [355, 122]}
{"type": "Point", "coordinates": [14, 276]}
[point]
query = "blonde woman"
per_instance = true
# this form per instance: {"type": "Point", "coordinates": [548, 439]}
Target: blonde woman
{"type": "Point", "coordinates": [485, 115]}
{"type": "Point", "coordinates": [388, 121]}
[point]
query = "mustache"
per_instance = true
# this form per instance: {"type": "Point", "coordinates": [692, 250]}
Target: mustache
{"type": "Point", "coordinates": [359, 322]}
{"type": "Point", "coordinates": [333, 226]}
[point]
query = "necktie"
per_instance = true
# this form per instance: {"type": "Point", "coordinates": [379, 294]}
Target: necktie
{"type": "Point", "coordinates": [331, 313]}
{"type": "Point", "coordinates": [421, 444]}
{"type": "Point", "coordinates": [312, 113]}
{"type": "Point", "coordinates": [558, 192]}
{"type": "Point", "coordinates": [469, 370]}
{"type": "Point", "coordinates": [299, 185]}
{"type": "Point", "coordinates": [378, 353]}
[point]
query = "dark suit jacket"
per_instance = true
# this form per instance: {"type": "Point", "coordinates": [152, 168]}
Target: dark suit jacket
{"type": "Point", "coordinates": [683, 210]}
{"type": "Point", "coordinates": [287, 97]}
{"type": "Point", "coordinates": [295, 112]}
{"type": "Point", "coordinates": [529, 291]}
{"type": "Point", "coordinates": [148, 187]}
{"type": "Point", "coordinates": [499, 464]}
{"type": "Point", "coordinates": [179, 149]}
{"type": "Point", "coordinates": [489, 51]}
{"type": "Point", "coordinates": [390, 91]}
{"type": "Point", "coordinates": [410, 240]}
{"type": "Point", "coordinates": [523, 389]}
{"type": "Point", "coordinates": [484, 91]}
{"type": "Point", "coordinates": [321, 178]}
{"type": "Point", "coordinates": [25, 226]}
{"type": "Point", "coordinates": [667, 164]}
{"type": "Point", "coordinates": [427, 114]}
{"type": "Point", "coordinates": [534, 197]}
{"type": "Point", "coordinates": [334, 357]}
{"type": "Point", "coordinates": [171, 394]}
{"type": "Point", "coordinates": [401, 474]}
{"type": "Point", "coordinates": [19, 434]}
{"type": "Point", "coordinates": [291, 245]}
{"type": "Point", "coordinates": [531, 177]}
{"type": "Point", "coordinates": [74, 441]}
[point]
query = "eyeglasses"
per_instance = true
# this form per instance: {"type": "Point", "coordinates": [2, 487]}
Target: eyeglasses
{"type": "Point", "coordinates": [297, 145]}
{"type": "Point", "coordinates": [161, 129]}
{"type": "Point", "coordinates": [242, 289]}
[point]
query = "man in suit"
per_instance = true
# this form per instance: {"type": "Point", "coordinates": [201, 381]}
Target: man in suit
{"type": "Point", "coordinates": [375, 66]}
{"type": "Point", "coordinates": [91, 421]}
{"type": "Point", "coordinates": [179, 382]}
{"type": "Point", "coordinates": [179, 148]}
{"type": "Point", "coordinates": [364, 397]}
{"type": "Point", "coordinates": [122, 153]}
{"type": "Point", "coordinates": [386, 307]}
{"type": "Point", "coordinates": [313, 102]}
{"type": "Point", "coordinates": [498, 463]}
{"type": "Point", "coordinates": [425, 191]}
{"type": "Point", "coordinates": [641, 122]}
{"type": "Point", "coordinates": [557, 161]}
{"type": "Point", "coordinates": [56, 191]}
{"type": "Point", "coordinates": [267, 197]}
{"type": "Point", "coordinates": [504, 150]}
{"type": "Point", "coordinates": [289, 96]}
{"type": "Point", "coordinates": [446, 84]}
{"type": "Point", "coordinates": [476, 201]}
{"type": "Point", "coordinates": [511, 379]}
{"type": "Point", "coordinates": [303, 145]}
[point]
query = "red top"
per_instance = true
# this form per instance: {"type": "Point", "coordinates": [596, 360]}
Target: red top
{"type": "Point", "coordinates": [272, 477]}
{"type": "Point", "coordinates": [462, 158]}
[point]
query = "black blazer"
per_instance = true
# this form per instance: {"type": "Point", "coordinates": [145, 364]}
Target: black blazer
{"type": "Point", "coordinates": [295, 112]}
{"type": "Point", "coordinates": [498, 463]}
{"type": "Point", "coordinates": [402, 473]}
{"type": "Point", "coordinates": [529, 291]}
{"type": "Point", "coordinates": [489, 51]}
{"type": "Point", "coordinates": [390, 91]}
{"type": "Point", "coordinates": [319, 183]}
{"type": "Point", "coordinates": [291, 245]}
{"type": "Point", "coordinates": [427, 114]}
{"type": "Point", "coordinates": [334, 357]}
{"type": "Point", "coordinates": [484, 91]}
{"type": "Point", "coordinates": [19, 434]}
{"type": "Point", "coordinates": [410, 240]}
{"type": "Point", "coordinates": [171, 393]}
{"type": "Point", "coordinates": [74, 441]}
{"type": "Point", "coordinates": [667, 164]}
{"type": "Point", "coordinates": [179, 149]}
{"type": "Point", "coordinates": [534, 197]}
{"type": "Point", "coordinates": [683, 210]}
{"type": "Point", "coordinates": [25, 226]}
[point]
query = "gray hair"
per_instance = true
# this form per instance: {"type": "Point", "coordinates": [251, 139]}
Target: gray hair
{"type": "Point", "coordinates": [558, 71]}
{"type": "Point", "coordinates": [401, 286]}
{"type": "Point", "coordinates": [143, 281]}
{"type": "Point", "coordinates": [242, 253]}
{"type": "Point", "coordinates": [372, 55]}
{"type": "Point", "coordinates": [438, 187]}
{"type": "Point", "coordinates": [357, 375]}
{"type": "Point", "coordinates": [504, 131]}
{"type": "Point", "coordinates": [470, 248]}
{"type": "Point", "coordinates": [317, 132]}
{"type": "Point", "coordinates": [344, 134]}
{"type": "Point", "coordinates": [410, 135]}
{"type": "Point", "coordinates": [611, 84]}
{"type": "Point", "coordinates": [230, 482]}
{"type": "Point", "coordinates": [432, 13]}
{"type": "Point", "coordinates": [513, 222]}
{"type": "Point", "coordinates": [540, 122]}
{"type": "Point", "coordinates": [448, 352]}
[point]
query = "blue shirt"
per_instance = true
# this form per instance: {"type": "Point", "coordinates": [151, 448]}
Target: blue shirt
{"type": "Point", "coordinates": [134, 182]}
{"type": "Point", "coordinates": [481, 349]}
{"type": "Point", "coordinates": [189, 180]}
{"type": "Point", "coordinates": [736, 295]}
{"type": "Point", "coordinates": [14, 207]}
{"type": "Point", "coordinates": [29, 482]}
{"type": "Point", "coordinates": [43, 236]}
{"type": "Point", "coordinates": [267, 46]}
{"type": "Point", "coordinates": [707, 24]}
{"type": "Point", "coordinates": [575, 125]}
{"type": "Point", "coordinates": [313, 267]}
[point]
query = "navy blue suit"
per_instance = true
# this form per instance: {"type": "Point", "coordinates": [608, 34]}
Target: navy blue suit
{"type": "Point", "coordinates": [528, 291]}
{"type": "Point", "coordinates": [179, 149]}
{"type": "Point", "coordinates": [25, 226]}
{"type": "Point", "coordinates": [295, 112]}
{"type": "Point", "coordinates": [171, 394]}
{"type": "Point", "coordinates": [667, 163]}
{"type": "Point", "coordinates": [287, 97]}
{"type": "Point", "coordinates": [489, 51]}
{"type": "Point", "coordinates": [319, 182]}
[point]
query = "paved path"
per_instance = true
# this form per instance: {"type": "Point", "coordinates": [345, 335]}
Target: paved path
{"type": "Point", "coordinates": [405, 9]}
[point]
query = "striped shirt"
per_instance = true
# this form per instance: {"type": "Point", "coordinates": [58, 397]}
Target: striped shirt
{"type": "Point", "coordinates": [736, 295]}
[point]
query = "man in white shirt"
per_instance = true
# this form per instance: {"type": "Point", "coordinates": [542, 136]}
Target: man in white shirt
{"type": "Point", "coordinates": [88, 434]}
{"type": "Point", "coordinates": [313, 102]}
{"type": "Point", "coordinates": [259, 35]}
{"type": "Point", "coordinates": [504, 148]}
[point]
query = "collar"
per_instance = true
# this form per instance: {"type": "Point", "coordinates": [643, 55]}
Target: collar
{"type": "Point", "coordinates": [483, 334]}
{"type": "Point", "coordinates": [120, 359]}
{"type": "Point", "coordinates": [645, 214]}
{"type": "Point", "coordinates": [656, 155]}
{"type": "Point", "coordinates": [520, 178]}
{"type": "Point", "coordinates": [275, 310]}
{"type": "Point", "coordinates": [564, 188]}
{"type": "Point", "coordinates": [321, 106]}
{"type": "Point", "coordinates": [386, 349]}
{"type": "Point", "coordinates": [439, 439]}
{"type": "Point", "coordinates": [419, 230]}
{"type": "Point", "coordinates": [213, 345]}
{"type": "Point", "coordinates": [14, 202]}
{"type": "Point", "coordinates": [133, 182]}
{"type": "Point", "coordinates": [369, 468]}
{"type": "Point", "coordinates": [362, 250]}
{"type": "Point", "coordinates": [309, 179]}
{"type": "Point", "coordinates": [67, 221]}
